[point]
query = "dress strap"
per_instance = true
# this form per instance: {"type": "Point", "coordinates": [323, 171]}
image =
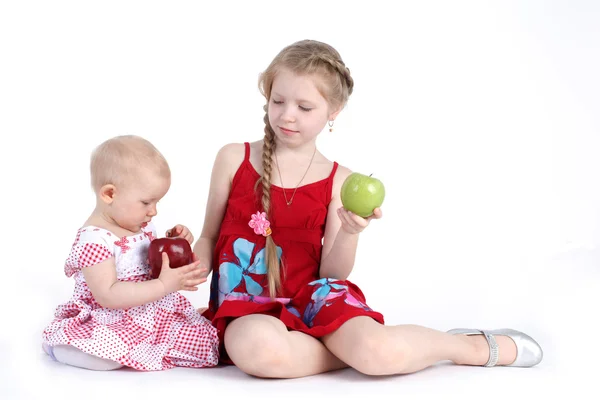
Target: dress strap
{"type": "Point", "coordinates": [247, 152]}
{"type": "Point", "coordinates": [330, 181]}
{"type": "Point", "coordinates": [335, 166]}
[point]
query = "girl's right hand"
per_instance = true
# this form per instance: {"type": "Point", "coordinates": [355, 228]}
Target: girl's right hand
{"type": "Point", "coordinates": [187, 277]}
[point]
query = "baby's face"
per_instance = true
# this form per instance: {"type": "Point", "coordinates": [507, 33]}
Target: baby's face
{"type": "Point", "coordinates": [134, 205]}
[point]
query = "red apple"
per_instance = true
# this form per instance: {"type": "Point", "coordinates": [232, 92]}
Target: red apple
{"type": "Point", "coordinates": [178, 249]}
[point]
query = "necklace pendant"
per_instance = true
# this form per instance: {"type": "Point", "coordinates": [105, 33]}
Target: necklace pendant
{"type": "Point", "coordinates": [281, 180]}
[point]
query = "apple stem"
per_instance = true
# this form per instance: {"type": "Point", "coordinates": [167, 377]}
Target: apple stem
{"type": "Point", "coordinates": [370, 175]}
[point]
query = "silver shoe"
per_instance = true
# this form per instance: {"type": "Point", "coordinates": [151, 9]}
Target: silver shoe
{"type": "Point", "coordinates": [529, 352]}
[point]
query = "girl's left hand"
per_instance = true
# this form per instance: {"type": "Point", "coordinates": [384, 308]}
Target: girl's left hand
{"type": "Point", "coordinates": [352, 223]}
{"type": "Point", "coordinates": [181, 231]}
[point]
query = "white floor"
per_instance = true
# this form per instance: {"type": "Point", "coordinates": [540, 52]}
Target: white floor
{"type": "Point", "coordinates": [495, 109]}
{"type": "Point", "coordinates": [559, 311]}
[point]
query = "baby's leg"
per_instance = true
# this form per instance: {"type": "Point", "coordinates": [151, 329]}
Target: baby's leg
{"type": "Point", "coordinates": [376, 349]}
{"type": "Point", "coordinates": [261, 345]}
{"type": "Point", "coordinates": [73, 356]}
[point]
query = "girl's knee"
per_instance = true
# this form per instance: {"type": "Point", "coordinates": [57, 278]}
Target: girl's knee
{"type": "Point", "coordinates": [258, 346]}
{"type": "Point", "coordinates": [378, 354]}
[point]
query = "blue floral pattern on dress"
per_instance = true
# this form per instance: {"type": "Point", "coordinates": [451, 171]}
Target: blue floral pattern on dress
{"type": "Point", "coordinates": [231, 274]}
{"type": "Point", "coordinates": [325, 296]}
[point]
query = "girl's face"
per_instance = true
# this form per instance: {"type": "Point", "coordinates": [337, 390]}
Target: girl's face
{"type": "Point", "coordinates": [297, 111]}
{"type": "Point", "coordinates": [134, 205]}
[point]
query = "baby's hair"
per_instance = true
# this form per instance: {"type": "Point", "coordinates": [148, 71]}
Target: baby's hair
{"type": "Point", "coordinates": [305, 58]}
{"type": "Point", "coordinates": [121, 158]}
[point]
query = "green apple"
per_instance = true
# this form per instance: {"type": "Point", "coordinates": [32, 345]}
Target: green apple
{"type": "Point", "coordinates": [361, 194]}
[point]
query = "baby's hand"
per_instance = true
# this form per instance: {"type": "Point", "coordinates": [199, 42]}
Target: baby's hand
{"type": "Point", "coordinates": [187, 277]}
{"type": "Point", "coordinates": [180, 231]}
{"type": "Point", "coordinates": [352, 223]}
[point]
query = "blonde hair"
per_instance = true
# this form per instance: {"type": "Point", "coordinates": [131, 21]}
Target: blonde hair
{"type": "Point", "coordinates": [120, 159]}
{"type": "Point", "coordinates": [305, 58]}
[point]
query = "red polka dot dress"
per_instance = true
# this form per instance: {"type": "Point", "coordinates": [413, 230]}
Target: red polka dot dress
{"type": "Point", "coordinates": [154, 336]}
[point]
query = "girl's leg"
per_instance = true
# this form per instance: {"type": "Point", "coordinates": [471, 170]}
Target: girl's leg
{"type": "Point", "coordinates": [261, 345]}
{"type": "Point", "coordinates": [376, 349]}
{"type": "Point", "coordinates": [73, 356]}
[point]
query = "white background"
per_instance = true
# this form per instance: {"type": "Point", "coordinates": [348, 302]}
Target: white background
{"type": "Point", "coordinates": [481, 118]}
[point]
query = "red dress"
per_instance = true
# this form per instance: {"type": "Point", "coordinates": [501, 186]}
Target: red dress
{"type": "Point", "coordinates": [239, 285]}
{"type": "Point", "coordinates": [154, 336]}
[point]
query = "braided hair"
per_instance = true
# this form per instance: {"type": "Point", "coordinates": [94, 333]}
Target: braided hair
{"type": "Point", "coordinates": [306, 58]}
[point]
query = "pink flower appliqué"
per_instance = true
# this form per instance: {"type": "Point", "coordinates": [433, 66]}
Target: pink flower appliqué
{"type": "Point", "coordinates": [260, 224]}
